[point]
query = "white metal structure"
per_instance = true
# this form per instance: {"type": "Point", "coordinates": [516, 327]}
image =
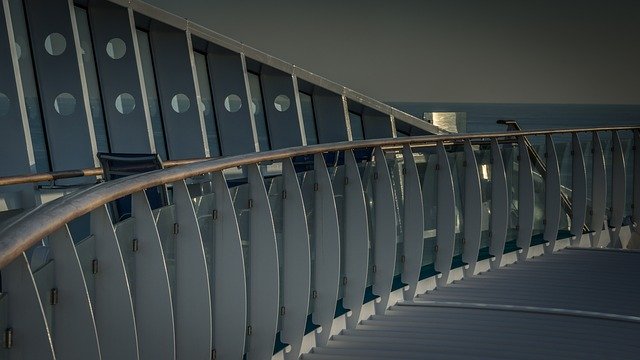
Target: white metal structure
{"type": "Point", "coordinates": [302, 214]}
{"type": "Point", "coordinates": [307, 243]}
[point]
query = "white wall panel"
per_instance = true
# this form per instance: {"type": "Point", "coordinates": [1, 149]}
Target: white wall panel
{"type": "Point", "coordinates": [326, 248]}
{"type": "Point", "coordinates": [297, 265]}
{"type": "Point", "coordinates": [113, 310]}
{"type": "Point", "coordinates": [31, 338]}
{"type": "Point", "coordinates": [384, 232]}
{"type": "Point", "coordinates": [193, 300]}
{"type": "Point", "coordinates": [355, 242]}
{"type": "Point", "coordinates": [73, 327]}
{"type": "Point", "coordinates": [413, 224]}
{"type": "Point", "coordinates": [152, 300]}
{"type": "Point", "coordinates": [229, 291]}
{"type": "Point", "coordinates": [264, 287]}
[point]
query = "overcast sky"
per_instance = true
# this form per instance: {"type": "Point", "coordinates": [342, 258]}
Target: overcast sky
{"type": "Point", "coordinates": [446, 51]}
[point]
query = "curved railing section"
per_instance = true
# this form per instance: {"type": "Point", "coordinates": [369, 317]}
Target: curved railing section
{"type": "Point", "coordinates": [273, 252]}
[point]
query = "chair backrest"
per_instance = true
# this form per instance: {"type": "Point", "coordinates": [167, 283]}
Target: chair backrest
{"type": "Point", "coordinates": [118, 165]}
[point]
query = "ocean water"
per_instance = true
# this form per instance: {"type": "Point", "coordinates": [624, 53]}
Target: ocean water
{"type": "Point", "coordinates": [483, 117]}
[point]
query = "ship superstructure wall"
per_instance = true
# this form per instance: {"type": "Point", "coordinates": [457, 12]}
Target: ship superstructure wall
{"type": "Point", "coordinates": [82, 77]}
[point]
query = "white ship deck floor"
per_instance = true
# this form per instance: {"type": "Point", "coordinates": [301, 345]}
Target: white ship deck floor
{"type": "Point", "coordinates": [574, 304]}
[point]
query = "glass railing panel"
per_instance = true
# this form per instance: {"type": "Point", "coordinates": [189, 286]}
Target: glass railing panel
{"type": "Point", "coordinates": [367, 170]}
{"type": "Point", "coordinates": [275, 188]}
{"type": "Point", "coordinates": [306, 178]}
{"type": "Point", "coordinates": [605, 138]}
{"type": "Point", "coordinates": [565, 165]}
{"type": "Point", "coordinates": [456, 158]}
{"type": "Point", "coordinates": [235, 176]}
{"type": "Point", "coordinates": [395, 162]}
{"type": "Point", "coordinates": [510, 154]}
{"type": "Point", "coordinates": [626, 139]}
{"type": "Point", "coordinates": [199, 186]}
{"type": "Point", "coordinates": [335, 167]}
{"type": "Point", "coordinates": [204, 206]}
{"type": "Point", "coordinates": [426, 160]}
{"type": "Point", "coordinates": [483, 157]}
{"type": "Point", "coordinates": [165, 220]}
{"type": "Point", "coordinates": [125, 234]}
{"type": "Point", "coordinates": [85, 248]}
{"type": "Point", "coordinates": [44, 277]}
{"type": "Point", "coordinates": [586, 142]}
{"type": "Point", "coordinates": [240, 197]}
{"type": "Point", "coordinates": [538, 163]}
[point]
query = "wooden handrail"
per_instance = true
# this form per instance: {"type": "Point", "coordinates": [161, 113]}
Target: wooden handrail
{"type": "Point", "coordinates": [69, 174]}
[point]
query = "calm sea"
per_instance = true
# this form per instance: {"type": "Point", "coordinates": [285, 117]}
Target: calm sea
{"type": "Point", "coordinates": [483, 117]}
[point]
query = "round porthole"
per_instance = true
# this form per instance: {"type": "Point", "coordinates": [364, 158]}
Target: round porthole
{"type": "Point", "coordinates": [282, 103]}
{"type": "Point", "coordinates": [125, 103]}
{"type": "Point", "coordinates": [180, 103]}
{"type": "Point", "coordinates": [5, 103]}
{"type": "Point", "coordinates": [232, 103]}
{"type": "Point", "coordinates": [116, 48]}
{"type": "Point", "coordinates": [55, 44]}
{"type": "Point", "coordinates": [65, 104]}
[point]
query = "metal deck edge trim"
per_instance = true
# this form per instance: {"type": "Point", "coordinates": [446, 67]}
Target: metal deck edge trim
{"type": "Point", "coordinates": [519, 308]}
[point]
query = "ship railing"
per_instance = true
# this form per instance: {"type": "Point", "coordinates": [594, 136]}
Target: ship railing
{"type": "Point", "coordinates": [305, 242]}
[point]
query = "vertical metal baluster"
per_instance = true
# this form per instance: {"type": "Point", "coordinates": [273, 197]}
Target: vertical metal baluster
{"type": "Point", "coordinates": [355, 241]}
{"type": "Point", "coordinates": [153, 304]}
{"type": "Point", "coordinates": [193, 297]}
{"type": "Point", "coordinates": [635, 233]}
{"type": "Point", "coordinates": [552, 199]}
{"type": "Point", "coordinates": [525, 199]}
{"type": "Point", "coordinates": [327, 252]}
{"type": "Point", "coordinates": [598, 194]}
{"type": "Point", "coordinates": [73, 326]}
{"type": "Point", "coordinates": [264, 287]}
{"type": "Point", "coordinates": [229, 301]}
{"type": "Point", "coordinates": [472, 210]}
{"type": "Point", "coordinates": [113, 309]}
{"type": "Point", "coordinates": [297, 263]}
{"type": "Point", "coordinates": [499, 205]}
{"type": "Point", "coordinates": [385, 236]}
{"type": "Point", "coordinates": [413, 224]}
{"type": "Point", "coordinates": [619, 191]}
{"type": "Point", "coordinates": [446, 216]}
{"type": "Point", "coordinates": [25, 316]}
{"type": "Point", "coordinates": [578, 190]}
